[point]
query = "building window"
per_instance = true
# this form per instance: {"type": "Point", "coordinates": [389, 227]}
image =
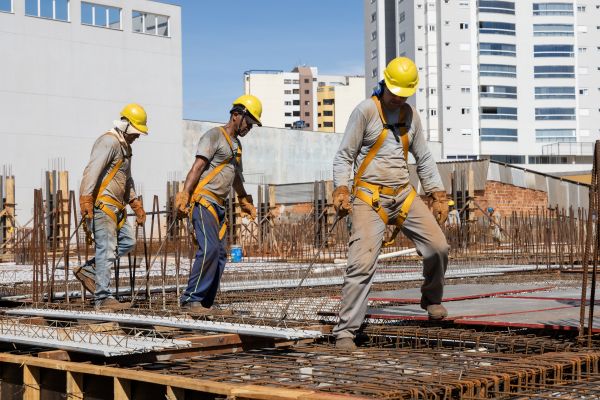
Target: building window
{"type": "Point", "coordinates": [288, 125]}
{"type": "Point", "coordinates": [295, 91]}
{"type": "Point", "coordinates": [328, 124]}
{"type": "Point", "coordinates": [433, 112]}
{"type": "Point", "coordinates": [288, 114]}
{"type": "Point", "coordinates": [306, 91]}
{"type": "Point", "coordinates": [507, 71]}
{"type": "Point", "coordinates": [497, 7]}
{"type": "Point", "coordinates": [554, 92]}
{"type": "Point", "coordinates": [327, 113]}
{"type": "Point", "coordinates": [287, 81]}
{"type": "Point", "coordinates": [151, 24]}
{"type": "Point", "coordinates": [465, 90]}
{"type": "Point", "coordinates": [287, 92]}
{"type": "Point", "coordinates": [306, 80]}
{"type": "Point", "coordinates": [296, 113]}
{"type": "Point", "coordinates": [296, 102]}
{"type": "Point", "coordinates": [553, 50]}
{"type": "Point", "coordinates": [374, 17]}
{"type": "Point", "coordinates": [401, 17]}
{"type": "Point", "coordinates": [328, 102]}
{"type": "Point", "coordinates": [465, 111]}
{"type": "Point", "coordinates": [583, 92]}
{"type": "Point", "coordinates": [553, 30]}
{"type": "Point", "coordinates": [373, 35]}
{"type": "Point", "coordinates": [6, 6]}
{"type": "Point", "coordinates": [497, 28]}
{"type": "Point", "coordinates": [497, 49]}
{"type": "Point", "coordinates": [287, 103]}
{"type": "Point", "coordinates": [374, 73]}
{"type": "Point", "coordinates": [306, 114]}
{"type": "Point", "coordinates": [100, 15]}
{"type": "Point", "coordinates": [498, 135]}
{"type": "Point", "coordinates": [51, 9]}
{"type": "Point", "coordinates": [582, 50]}
{"type": "Point", "coordinates": [464, 25]}
{"type": "Point", "coordinates": [581, 8]}
{"type": "Point", "coordinates": [402, 37]}
{"type": "Point", "coordinates": [498, 113]}
{"type": "Point", "coordinates": [498, 92]}
{"type": "Point", "coordinates": [306, 102]}
{"type": "Point", "coordinates": [551, 9]}
{"type": "Point", "coordinates": [554, 135]}
{"type": "Point", "coordinates": [554, 113]}
{"type": "Point", "coordinates": [554, 71]}
{"type": "Point", "coordinates": [373, 54]}
{"type": "Point", "coordinates": [296, 81]}
{"type": "Point", "coordinates": [431, 28]}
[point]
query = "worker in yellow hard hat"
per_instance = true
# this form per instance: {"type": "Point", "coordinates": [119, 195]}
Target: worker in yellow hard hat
{"type": "Point", "coordinates": [217, 168]}
{"type": "Point", "coordinates": [453, 215]}
{"type": "Point", "coordinates": [380, 133]}
{"type": "Point", "coordinates": [106, 189]}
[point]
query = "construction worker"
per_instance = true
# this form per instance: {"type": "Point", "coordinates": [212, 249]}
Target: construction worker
{"type": "Point", "coordinates": [380, 133]}
{"type": "Point", "coordinates": [218, 168]}
{"type": "Point", "coordinates": [453, 215]}
{"type": "Point", "coordinates": [495, 220]}
{"type": "Point", "coordinates": [106, 188]}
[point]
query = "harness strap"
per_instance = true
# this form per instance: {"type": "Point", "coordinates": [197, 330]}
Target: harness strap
{"type": "Point", "coordinates": [102, 200]}
{"type": "Point", "coordinates": [211, 208]}
{"type": "Point", "coordinates": [373, 197]}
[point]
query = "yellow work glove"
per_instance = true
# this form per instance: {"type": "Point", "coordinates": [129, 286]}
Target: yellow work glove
{"type": "Point", "coordinates": [341, 201]}
{"type": "Point", "coordinates": [440, 206]}
{"type": "Point", "coordinates": [138, 208]}
{"type": "Point", "coordinates": [182, 200]}
{"type": "Point", "coordinates": [247, 206]}
{"type": "Point", "coordinates": [86, 205]}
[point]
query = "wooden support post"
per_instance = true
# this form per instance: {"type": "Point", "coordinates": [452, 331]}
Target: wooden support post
{"type": "Point", "coordinates": [10, 207]}
{"type": "Point", "coordinates": [74, 386]}
{"type": "Point", "coordinates": [174, 393]}
{"type": "Point", "coordinates": [122, 389]}
{"type": "Point", "coordinates": [63, 186]}
{"type": "Point", "coordinates": [31, 383]}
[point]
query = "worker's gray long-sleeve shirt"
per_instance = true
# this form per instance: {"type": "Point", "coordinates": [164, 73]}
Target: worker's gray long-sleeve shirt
{"type": "Point", "coordinates": [388, 168]}
{"type": "Point", "coordinates": [106, 152]}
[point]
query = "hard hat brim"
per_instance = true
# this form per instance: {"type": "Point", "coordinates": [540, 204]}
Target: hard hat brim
{"type": "Point", "coordinates": [399, 91]}
{"type": "Point", "coordinates": [139, 128]}
{"type": "Point", "coordinates": [256, 120]}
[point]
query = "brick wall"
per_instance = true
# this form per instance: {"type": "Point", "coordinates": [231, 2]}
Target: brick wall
{"type": "Point", "coordinates": [508, 198]}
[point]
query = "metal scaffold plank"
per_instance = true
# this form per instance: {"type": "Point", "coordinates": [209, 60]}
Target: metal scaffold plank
{"type": "Point", "coordinates": [181, 322]}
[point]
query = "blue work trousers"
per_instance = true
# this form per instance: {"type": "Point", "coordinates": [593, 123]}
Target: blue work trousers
{"type": "Point", "coordinates": [210, 257]}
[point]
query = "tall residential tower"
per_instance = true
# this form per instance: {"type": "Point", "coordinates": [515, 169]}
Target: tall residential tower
{"type": "Point", "coordinates": [514, 80]}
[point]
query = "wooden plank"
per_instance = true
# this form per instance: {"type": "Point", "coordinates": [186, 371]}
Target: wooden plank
{"type": "Point", "coordinates": [31, 383]}
{"type": "Point", "coordinates": [55, 355]}
{"type": "Point", "coordinates": [174, 393]}
{"type": "Point", "coordinates": [122, 389]}
{"type": "Point", "coordinates": [74, 386]}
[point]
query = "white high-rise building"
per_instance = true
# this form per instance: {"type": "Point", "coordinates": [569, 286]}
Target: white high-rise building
{"type": "Point", "coordinates": [68, 68]}
{"type": "Point", "coordinates": [514, 80]}
{"type": "Point", "coordinates": [303, 99]}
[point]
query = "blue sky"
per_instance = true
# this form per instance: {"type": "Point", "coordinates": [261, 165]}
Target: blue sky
{"type": "Point", "coordinates": [224, 38]}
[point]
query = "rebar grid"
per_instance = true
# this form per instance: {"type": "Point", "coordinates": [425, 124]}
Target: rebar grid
{"type": "Point", "coordinates": [82, 338]}
{"type": "Point", "coordinates": [586, 389]}
{"type": "Point", "coordinates": [463, 339]}
{"type": "Point", "coordinates": [387, 374]}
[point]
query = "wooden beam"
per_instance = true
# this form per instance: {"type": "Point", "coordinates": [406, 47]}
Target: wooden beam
{"type": "Point", "coordinates": [74, 386]}
{"type": "Point", "coordinates": [122, 389]}
{"type": "Point", "coordinates": [55, 355]}
{"type": "Point", "coordinates": [174, 393]}
{"type": "Point", "coordinates": [31, 383]}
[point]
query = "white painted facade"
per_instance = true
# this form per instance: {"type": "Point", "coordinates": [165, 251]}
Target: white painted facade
{"type": "Point", "coordinates": [497, 78]}
{"type": "Point", "coordinates": [279, 92]}
{"type": "Point", "coordinates": [64, 82]}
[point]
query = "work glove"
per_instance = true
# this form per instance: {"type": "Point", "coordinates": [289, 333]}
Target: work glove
{"type": "Point", "coordinates": [341, 201]}
{"type": "Point", "coordinates": [440, 206]}
{"type": "Point", "coordinates": [86, 205]}
{"type": "Point", "coordinates": [182, 200]}
{"type": "Point", "coordinates": [247, 206]}
{"type": "Point", "coordinates": [138, 208]}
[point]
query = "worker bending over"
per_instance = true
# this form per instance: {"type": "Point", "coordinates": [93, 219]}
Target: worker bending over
{"type": "Point", "coordinates": [106, 188]}
{"type": "Point", "coordinates": [380, 133]}
{"type": "Point", "coordinates": [217, 168]}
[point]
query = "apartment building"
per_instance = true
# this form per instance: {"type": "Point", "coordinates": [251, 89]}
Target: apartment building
{"type": "Point", "coordinates": [303, 99]}
{"type": "Point", "coordinates": [69, 67]}
{"type": "Point", "coordinates": [517, 81]}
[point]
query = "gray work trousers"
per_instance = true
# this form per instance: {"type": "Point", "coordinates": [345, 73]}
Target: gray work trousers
{"type": "Point", "coordinates": [365, 244]}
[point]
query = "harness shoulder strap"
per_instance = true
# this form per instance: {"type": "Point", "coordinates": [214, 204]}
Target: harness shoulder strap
{"type": "Point", "coordinates": [403, 129]}
{"type": "Point", "coordinates": [109, 177]}
{"type": "Point", "coordinates": [195, 196]}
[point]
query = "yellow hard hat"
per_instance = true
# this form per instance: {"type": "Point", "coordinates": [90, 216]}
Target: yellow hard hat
{"type": "Point", "coordinates": [450, 203]}
{"type": "Point", "coordinates": [401, 77]}
{"type": "Point", "coordinates": [252, 104]}
{"type": "Point", "coordinates": [136, 115]}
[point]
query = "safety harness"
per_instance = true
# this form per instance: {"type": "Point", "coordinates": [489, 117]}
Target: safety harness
{"type": "Point", "coordinates": [103, 201]}
{"type": "Point", "coordinates": [374, 191]}
{"type": "Point", "coordinates": [200, 193]}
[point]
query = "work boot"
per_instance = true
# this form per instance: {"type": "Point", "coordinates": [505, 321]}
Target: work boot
{"type": "Point", "coordinates": [345, 344]}
{"type": "Point", "coordinates": [86, 277]}
{"type": "Point", "coordinates": [195, 307]}
{"type": "Point", "coordinates": [436, 311]}
{"type": "Point", "coordinates": [111, 304]}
